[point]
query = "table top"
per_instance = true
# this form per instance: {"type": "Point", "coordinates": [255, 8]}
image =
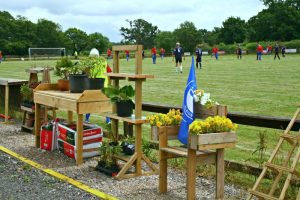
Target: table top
{"type": "Point", "coordinates": [38, 69]}
{"type": "Point", "coordinates": [11, 81]}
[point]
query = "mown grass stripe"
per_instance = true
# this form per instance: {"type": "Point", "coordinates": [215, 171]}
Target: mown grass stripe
{"type": "Point", "coordinates": [59, 175]}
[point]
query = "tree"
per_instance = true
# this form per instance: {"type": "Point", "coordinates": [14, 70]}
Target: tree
{"type": "Point", "coordinates": [213, 36]}
{"type": "Point", "coordinates": [140, 32]}
{"type": "Point", "coordinates": [188, 35]}
{"type": "Point", "coordinates": [166, 40]}
{"type": "Point", "coordinates": [98, 41]}
{"type": "Point", "coordinates": [77, 39]}
{"type": "Point", "coordinates": [233, 30]}
{"type": "Point", "coordinates": [49, 34]}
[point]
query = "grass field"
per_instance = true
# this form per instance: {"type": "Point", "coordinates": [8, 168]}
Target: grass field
{"type": "Point", "coordinates": [264, 87]}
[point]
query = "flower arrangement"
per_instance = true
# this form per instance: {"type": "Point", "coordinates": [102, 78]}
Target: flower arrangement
{"type": "Point", "coordinates": [215, 124]}
{"type": "Point", "coordinates": [204, 99]}
{"type": "Point", "coordinates": [173, 117]}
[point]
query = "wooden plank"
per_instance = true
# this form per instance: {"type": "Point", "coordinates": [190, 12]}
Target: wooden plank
{"type": "Point", "coordinates": [55, 101]}
{"type": "Point", "coordinates": [24, 108]}
{"type": "Point", "coordinates": [6, 103]}
{"type": "Point", "coordinates": [127, 119]}
{"type": "Point", "coordinates": [150, 164]}
{"type": "Point", "coordinates": [46, 86]}
{"type": "Point", "coordinates": [129, 76]}
{"type": "Point", "coordinates": [79, 139]}
{"type": "Point", "coordinates": [92, 95]}
{"type": "Point", "coordinates": [37, 124]}
{"type": "Point", "coordinates": [60, 94]}
{"type": "Point", "coordinates": [94, 107]}
{"type": "Point", "coordinates": [220, 174]}
{"type": "Point", "coordinates": [262, 195]}
{"type": "Point", "coordinates": [11, 81]}
{"type": "Point", "coordinates": [38, 69]}
{"type": "Point", "coordinates": [70, 116]}
{"type": "Point", "coordinates": [210, 139]}
{"type": "Point", "coordinates": [163, 164]}
{"type": "Point", "coordinates": [191, 174]}
{"type": "Point", "coordinates": [138, 59]}
{"type": "Point", "coordinates": [138, 148]}
{"type": "Point", "coordinates": [138, 99]}
{"type": "Point", "coordinates": [124, 47]}
{"type": "Point", "coordinates": [126, 167]}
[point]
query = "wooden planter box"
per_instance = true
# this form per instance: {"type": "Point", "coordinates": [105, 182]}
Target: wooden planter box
{"type": "Point", "coordinates": [212, 141]}
{"type": "Point", "coordinates": [171, 131]}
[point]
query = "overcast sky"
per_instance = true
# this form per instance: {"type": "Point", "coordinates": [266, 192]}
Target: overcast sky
{"type": "Point", "coordinates": [107, 17]}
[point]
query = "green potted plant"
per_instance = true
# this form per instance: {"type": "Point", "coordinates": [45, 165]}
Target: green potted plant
{"type": "Point", "coordinates": [27, 95]}
{"type": "Point", "coordinates": [62, 69]}
{"type": "Point", "coordinates": [78, 78]}
{"type": "Point", "coordinates": [122, 97]}
{"type": "Point", "coordinates": [108, 163]}
{"type": "Point", "coordinates": [94, 67]}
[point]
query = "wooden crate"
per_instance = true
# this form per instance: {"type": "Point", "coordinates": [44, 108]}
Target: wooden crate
{"type": "Point", "coordinates": [171, 131]}
{"type": "Point", "coordinates": [212, 141]}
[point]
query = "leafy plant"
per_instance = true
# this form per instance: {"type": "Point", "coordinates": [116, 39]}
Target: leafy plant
{"type": "Point", "coordinates": [116, 94]}
{"type": "Point", "coordinates": [107, 152]}
{"type": "Point", "coordinates": [76, 69]}
{"type": "Point", "coordinates": [94, 66]}
{"type": "Point", "coordinates": [63, 67]}
{"type": "Point", "coordinates": [26, 92]}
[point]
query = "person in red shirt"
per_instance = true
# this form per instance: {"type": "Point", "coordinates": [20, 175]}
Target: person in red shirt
{"type": "Point", "coordinates": [1, 57]}
{"type": "Point", "coordinates": [108, 53]}
{"type": "Point", "coordinates": [269, 48]}
{"type": "Point", "coordinates": [127, 55]}
{"type": "Point", "coordinates": [259, 51]}
{"type": "Point", "coordinates": [162, 53]}
{"type": "Point", "coordinates": [215, 52]}
{"type": "Point", "coordinates": [153, 52]}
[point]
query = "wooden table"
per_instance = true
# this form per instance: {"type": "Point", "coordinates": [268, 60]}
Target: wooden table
{"type": "Point", "coordinates": [33, 77]}
{"type": "Point", "coordinates": [8, 82]}
{"type": "Point", "coordinates": [90, 101]}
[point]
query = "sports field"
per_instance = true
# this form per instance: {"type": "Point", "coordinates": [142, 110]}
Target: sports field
{"type": "Point", "coordinates": [264, 87]}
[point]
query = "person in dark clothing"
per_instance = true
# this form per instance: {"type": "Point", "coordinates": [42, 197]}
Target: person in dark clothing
{"type": "Point", "coordinates": [178, 53]}
{"type": "Point", "coordinates": [283, 51]}
{"type": "Point", "coordinates": [276, 51]}
{"type": "Point", "coordinates": [239, 52]}
{"type": "Point", "coordinates": [62, 52]}
{"type": "Point", "coordinates": [198, 57]}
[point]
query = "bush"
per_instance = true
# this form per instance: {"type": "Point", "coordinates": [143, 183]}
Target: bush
{"type": "Point", "coordinates": [293, 44]}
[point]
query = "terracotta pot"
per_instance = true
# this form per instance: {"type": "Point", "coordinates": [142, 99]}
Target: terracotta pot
{"type": "Point", "coordinates": [63, 85]}
{"type": "Point", "coordinates": [29, 122]}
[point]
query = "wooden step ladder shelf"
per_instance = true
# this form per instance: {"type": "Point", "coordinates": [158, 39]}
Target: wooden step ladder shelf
{"type": "Point", "coordinates": [283, 168]}
{"type": "Point", "coordinates": [138, 77]}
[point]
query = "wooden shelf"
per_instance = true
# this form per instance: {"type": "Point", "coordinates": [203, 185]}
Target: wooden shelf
{"type": "Point", "coordinates": [24, 108]}
{"type": "Point", "coordinates": [127, 119]}
{"type": "Point", "coordinates": [28, 128]}
{"type": "Point", "coordinates": [128, 76]}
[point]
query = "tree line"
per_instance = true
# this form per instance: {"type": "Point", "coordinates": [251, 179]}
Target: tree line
{"type": "Point", "coordinates": [279, 21]}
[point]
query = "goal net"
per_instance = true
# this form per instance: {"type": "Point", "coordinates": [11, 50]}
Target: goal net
{"type": "Point", "coordinates": [46, 53]}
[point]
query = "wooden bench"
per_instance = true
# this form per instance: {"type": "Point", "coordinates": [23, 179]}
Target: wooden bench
{"type": "Point", "coordinates": [203, 157]}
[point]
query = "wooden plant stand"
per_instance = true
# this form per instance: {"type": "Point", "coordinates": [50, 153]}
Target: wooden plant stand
{"type": "Point", "coordinates": [90, 101]}
{"type": "Point", "coordinates": [138, 120]}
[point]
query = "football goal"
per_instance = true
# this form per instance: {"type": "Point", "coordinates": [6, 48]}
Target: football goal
{"type": "Point", "coordinates": [46, 53]}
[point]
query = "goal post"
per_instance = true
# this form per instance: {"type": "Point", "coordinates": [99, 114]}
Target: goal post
{"type": "Point", "coordinates": [43, 53]}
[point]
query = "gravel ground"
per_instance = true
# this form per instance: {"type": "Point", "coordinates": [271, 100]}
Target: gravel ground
{"type": "Point", "coordinates": [18, 181]}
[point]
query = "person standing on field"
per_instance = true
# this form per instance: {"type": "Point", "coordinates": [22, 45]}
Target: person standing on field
{"type": "Point", "coordinates": [153, 52]}
{"type": "Point", "coordinates": [215, 51]}
{"type": "Point", "coordinates": [283, 51]}
{"type": "Point", "coordinates": [178, 53]}
{"type": "Point", "coordinates": [276, 51]}
{"type": "Point", "coordinates": [198, 57]}
{"type": "Point", "coordinates": [127, 55]}
{"type": "Point", "coordinates": [1, 57]}
{"type": "Point", "coordinates": [259, 51]}
{"type": "Point", "coordinates": [239, 52]}
{"type": "Point", "coordinates": [162, 53]}
{"type": "Point", "coordinates": [108, 53]}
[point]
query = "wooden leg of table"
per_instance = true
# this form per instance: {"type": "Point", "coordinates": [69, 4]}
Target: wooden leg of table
{"type": "Point", "coordinates": [79, 148]}
{"type": "Point", "coordinates": [37, 126]}
{"type": "Point", "coordinates": [6, 102]}
{"type": "Point", "coordinates": [70, 116]}
{"type": "Point", "coordinates": [220, 174]}
{"type": "Point", "coordinates": [191, 174]}
{"type": "Point", "coordinates": [138, 149]}
{"type": "Point", "coordinates": [46, 114]}
{"type": "Point", "coordinates": [163, 172]}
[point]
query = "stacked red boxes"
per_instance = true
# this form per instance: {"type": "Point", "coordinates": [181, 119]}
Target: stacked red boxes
{"type": "Point", "coordinates": [92, 139]}
{"type": "Point", "coordinates": [48, 139]}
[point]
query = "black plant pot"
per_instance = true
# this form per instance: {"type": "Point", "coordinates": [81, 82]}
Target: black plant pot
{"type": "Point", "coordinates": [128, 148]}
{"type": "Point", "coordinates": [124, 108]}
{"type": "Point", "coordinates": [78, 83]}
{"type": "Point", "coordinates": [110, 171]}
{"type": "Point", "coordinates": [96, 83]}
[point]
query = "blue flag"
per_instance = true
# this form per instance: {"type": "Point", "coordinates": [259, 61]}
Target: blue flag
{"type": "Point", "coordinates": [188, 105]}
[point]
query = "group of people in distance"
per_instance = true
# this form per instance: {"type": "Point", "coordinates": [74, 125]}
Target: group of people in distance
{"type": "Point", "coordinates": [259, 51]}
